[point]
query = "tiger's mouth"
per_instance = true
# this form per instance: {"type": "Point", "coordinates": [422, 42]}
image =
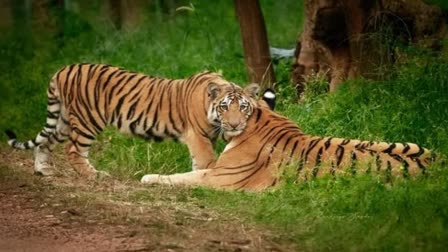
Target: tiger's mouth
{"type": "Point", "coordinates": [233, 132]}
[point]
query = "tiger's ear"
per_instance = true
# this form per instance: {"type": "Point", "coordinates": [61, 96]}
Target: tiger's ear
{"type": "Point", "coordinates": [213, 90]}
{"type": "Point", "coordinates": [269, 97]}
{"type": "Point", "coordinates": [252, 90]}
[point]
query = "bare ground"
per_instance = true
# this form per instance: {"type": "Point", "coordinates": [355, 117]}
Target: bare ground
{"type": "Point", "coordinates": [67, 213]}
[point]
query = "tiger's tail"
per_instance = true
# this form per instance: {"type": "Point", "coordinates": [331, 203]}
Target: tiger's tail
{"type": "Point", "coordinates": [412, 157]}
{"type": "Point", "coordinates": [53, 113]}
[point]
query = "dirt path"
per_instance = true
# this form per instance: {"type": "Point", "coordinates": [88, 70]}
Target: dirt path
{"type": "Point", "coordinates": [66, 213]}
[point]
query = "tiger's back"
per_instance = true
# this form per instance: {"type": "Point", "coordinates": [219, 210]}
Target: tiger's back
{"type": "Point", "coordinates": [101, 95]}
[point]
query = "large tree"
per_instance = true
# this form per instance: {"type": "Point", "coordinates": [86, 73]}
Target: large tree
{"type": "Point", "coordinates": [349, 38]}
{"type": "Point", "coordinates": [255, 42]}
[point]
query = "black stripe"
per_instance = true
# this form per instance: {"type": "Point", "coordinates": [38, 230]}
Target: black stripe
{"type": "Point", "coordinates": [59, 73]}
{"type": "Point", "coordinates": [10, 134]}
{"type": "Point", "coordinates": [388, 170]}
{"type": "Point", "coordinates": [82, 133]}
{"type": "Point", "coordinates": [112, 90]}
{"type": "Point", "coordinates": [173, 123]}
{"type": "Point", "coordinates": [406, 148]}
{"type": "Point", "coordinates": [420, 165]}
{"type": "Point", "coordinates": [319, 157]}
{"type": "Point", "coordinates": [353, 158]}
{"type": "Point", "coordinates": [50, 126]}
{"type": "Point", "coordinates": [318, 162]}
{"type": "Point", "coordinates": [87, 87]}
{"type": "Point", "coordinates": [65, 82]}
{"type": "Point", "coordinates": [85, 145]}
{"type": "Point", "coordinates": [250, 174]}
{"type": "Point", "coordinates": [301, 161]}
{"type": "Point", "coordinates": [52, 101]}
{"type": "Point", "coordinates": [345, 142]}
{"type": "Point", "coordinates": [405, 169]}
{"type": "Point", "coordinates": [339, 155]}
{"type": "Point", "coordinates": [125, 84]}
{"type": "Point", "coordinates": [328, 143]}
{"type": "Point", "coordinates": [117, 109]}
{"type": "Point", "coordinates": [109, 77]}
{"type": "Point", "coordinates": [294, 147]}
{"type": "Point", "coordinates": [418, 153]}
{"type": "Point", "coordinates": [59, 140]}
{"type": "Point", "coordinates": [52, 115]}
{"type": "Point", "coordinates": [119, 122]}
{"type": "Point", "coordinates": [44, 134]}
{"type": "Point", "coordinates": [259, 112]}
{"type": "Point", "coordinates": [333, 168]}
{"type": "Point", "coordinates": [390, 148]}
{"type": "Point", "coordinates": [97, 93]}
{"type": "Point", "coordinates": [92, 69]}
{"type": "Point", "coordinates": [133, 124]}
{"type": "Point", "coordinates": [311, 146]}
{"type": "Point", "coordinates": [131, 110]}
{"type": "Point", "coordinates": [378, 162]}
{"type": "Point", "coordinates": [287, 142]}
{"type": "Point", "coordinates": [88, 111]}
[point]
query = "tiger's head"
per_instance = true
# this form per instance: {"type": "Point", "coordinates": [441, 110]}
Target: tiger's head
{"type": "Point", "coordinates": [231, 107]}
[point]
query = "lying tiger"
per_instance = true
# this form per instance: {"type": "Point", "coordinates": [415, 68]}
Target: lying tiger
{"type": "Point", "coordinates": [254, 159]}
{"type": "Point", "coordinates": [85, 98]}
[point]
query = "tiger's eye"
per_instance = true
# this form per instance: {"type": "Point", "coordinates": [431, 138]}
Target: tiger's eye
{"type": "Point", "coordinates": [243, 106]}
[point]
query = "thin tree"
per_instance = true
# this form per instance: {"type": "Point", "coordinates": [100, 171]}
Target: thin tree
{"type": "Point", "coordinates": [255, 42]}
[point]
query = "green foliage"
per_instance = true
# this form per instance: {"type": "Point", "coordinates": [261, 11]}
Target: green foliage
{"type": "Point", "coordinates": [316, 85]}
{"type": "Point", "coordinates": [441, 3]}
{"type": "Point", "coordinates": [412, 106]}
{"type": "Point", "coordinates": [344, 213]}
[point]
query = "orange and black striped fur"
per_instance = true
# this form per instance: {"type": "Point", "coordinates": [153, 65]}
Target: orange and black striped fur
{"type": "Point", "coordinates": [254, 159]}
{"type": "Point", "coordinates": [85, 98]}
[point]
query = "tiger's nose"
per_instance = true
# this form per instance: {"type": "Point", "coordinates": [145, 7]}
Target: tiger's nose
{"type": "Point", "coordinates": [234, 125]}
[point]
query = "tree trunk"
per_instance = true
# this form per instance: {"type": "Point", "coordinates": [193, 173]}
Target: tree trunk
{"type": "Point", "coordinates": [6, 17]}
{"type": "Point", "coordinates": [349, 38]}
{"type": "Point", "coordinates": [48, 18]}
{"type": "Point", "coordinates": [125, 14]}
{"type": "Point", "coordinates": [113, 10]}
{"type": "Point", "coordinates": [131, 11]}
{"type": "Point", "coordinates": [255, 42]}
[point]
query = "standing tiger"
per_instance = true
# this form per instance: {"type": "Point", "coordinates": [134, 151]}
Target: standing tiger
{"type": "Point", "coordinates": [254, 157]}
{"type": "Point", "coordinates": [85, 98]}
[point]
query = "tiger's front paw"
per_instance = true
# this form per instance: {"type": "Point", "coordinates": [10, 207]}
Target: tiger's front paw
{"type": "Point", "coordinates": [150, 179]}
{"type": "Point", "coordinates": [44, 171]}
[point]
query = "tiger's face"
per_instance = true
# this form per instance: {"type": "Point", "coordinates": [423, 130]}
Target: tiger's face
{"type": "Point", "coordinates": [231, 107]}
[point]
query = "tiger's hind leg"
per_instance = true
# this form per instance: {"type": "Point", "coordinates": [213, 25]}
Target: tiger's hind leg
{"type": "Point", "coordinates": [77, 150]}
{"type": "Point", "coordinates": [43, 151]}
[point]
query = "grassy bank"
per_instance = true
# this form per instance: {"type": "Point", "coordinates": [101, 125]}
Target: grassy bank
{"type": "Point", "coordinates": [360, 213]}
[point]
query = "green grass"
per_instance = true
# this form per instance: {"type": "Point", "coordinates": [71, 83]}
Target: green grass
{"type": "Point", "coordinates": [359, 213]}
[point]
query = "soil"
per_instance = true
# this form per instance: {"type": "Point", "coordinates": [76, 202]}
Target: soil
{"type": "Point", "coordinates": [68, 213]}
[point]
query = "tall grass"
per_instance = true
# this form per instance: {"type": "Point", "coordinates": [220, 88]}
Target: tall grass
{"type": "Point", "coordinates": [359, 213]}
